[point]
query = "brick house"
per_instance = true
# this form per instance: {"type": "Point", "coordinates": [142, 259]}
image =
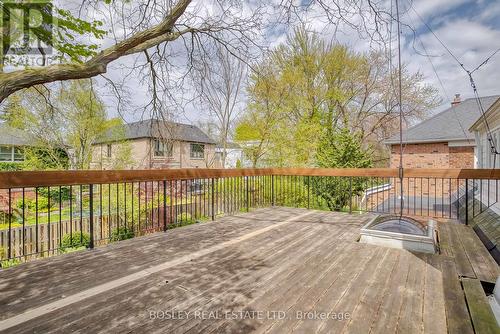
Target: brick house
{"type": "Point", "coordinates": [442, 141]}
{"type": "Point", "coordinates": [156, 144]}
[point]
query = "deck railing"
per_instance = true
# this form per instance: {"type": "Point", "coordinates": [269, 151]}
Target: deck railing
{"type": "Point", "coordinates": [46, 213]}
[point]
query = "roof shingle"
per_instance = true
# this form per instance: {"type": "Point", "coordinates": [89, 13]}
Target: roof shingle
{"type": "Point", "coordinates": [154, 128]}
{"type": "Point", "coordinates": [11, 136]}
{"type": "Point", "coordinates": [449, 125]}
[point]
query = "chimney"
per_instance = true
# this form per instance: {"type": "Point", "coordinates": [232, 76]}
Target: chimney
{"type": "Point", "coordinates": [456, 100]}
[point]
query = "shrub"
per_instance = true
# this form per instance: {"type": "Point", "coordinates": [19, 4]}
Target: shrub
{"type": "Point", "coordinates": [122, 233]}
{"type": "Point", "coordinates": [3, 253]}
{"type": "Point", "coordinates": [75, 240]}
{"type": "Point", "coordinates": [4, 263]}
{"type": "Point", "coordinates": [9, 263]}
{"type": "Point", "coordinates": [10, 166]}
{"type": "Point", "coordinates": [30, 204]}
{"type": "Point", "coordinates": [185, 219]}
{"type": "Point", "coordinates": [54, 193]}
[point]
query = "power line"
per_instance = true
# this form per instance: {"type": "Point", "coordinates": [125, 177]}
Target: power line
{"type": "Point", "coordinates": [493, 148]}
{"type": "Point", "coordinates": [442, 87]}
{"type": "Point", "coordinates": [400, 99]}
{"type": "Point", "coordinates": [485, 61]}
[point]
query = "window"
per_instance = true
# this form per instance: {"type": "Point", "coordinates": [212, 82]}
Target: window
{"type": "Point", "coordinates": [108, 150]}
{"type": "Point", "coordinates": [11, 153]}
{"type": "Point", "coordinates": [197, 151]}
{"type": "Point", "coordinates": [162, 149]}
{"type": "Point", "coordinates": [5, 153]}
{"type": "Point", "coordinates": [18, 154]}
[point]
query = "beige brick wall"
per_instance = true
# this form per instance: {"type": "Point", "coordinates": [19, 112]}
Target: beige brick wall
{"type": "Point", "coordinates": [143, 157]}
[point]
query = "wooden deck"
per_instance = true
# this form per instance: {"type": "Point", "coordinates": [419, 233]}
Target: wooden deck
{"type": "Point", "coordinates": [256, 272]}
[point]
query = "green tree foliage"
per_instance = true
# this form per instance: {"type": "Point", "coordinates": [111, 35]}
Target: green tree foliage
{"type": "Point", "coordinates": [10, 167]}
{"type": "Point", "coordinates": [305, 87]}
{"type": "Point", "coordinates": [340, 149]}
{"type": "Point", "coordinates": [62, 124]}
{"type": "Point", "coordinates": [55, 27]}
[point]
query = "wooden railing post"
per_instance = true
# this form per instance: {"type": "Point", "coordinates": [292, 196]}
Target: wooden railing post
{"type": "Point", "coordinates": [91, 215]}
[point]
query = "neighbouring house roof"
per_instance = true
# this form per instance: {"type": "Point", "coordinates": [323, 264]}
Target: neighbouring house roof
{"type": "Point", "coordinates": [451, 124]}
{"type": "Point", "coordinates": [229, 146]}
{"type": "Point", "coordinates": [11, 136]}
{"type": "Point", "coordinates": [154, 128]}
{"type": "Point", "coordinates": [492, 112]}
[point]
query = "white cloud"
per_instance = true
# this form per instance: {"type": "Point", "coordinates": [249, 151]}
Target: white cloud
{"type": "Point", "coordinates": [435, 7]}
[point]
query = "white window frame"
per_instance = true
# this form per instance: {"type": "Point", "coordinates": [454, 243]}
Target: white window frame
{"type": "Point", "coordinates": [12, 154]}
{"type": "Point", "coordinates": [168, 148]}
{"type": "Point", "coordinates": [196, 155]}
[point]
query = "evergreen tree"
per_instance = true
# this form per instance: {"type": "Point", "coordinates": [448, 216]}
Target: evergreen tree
{"type": "Point", "coordinates": [340, 149]}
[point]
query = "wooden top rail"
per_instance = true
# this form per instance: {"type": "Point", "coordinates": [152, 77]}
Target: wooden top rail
{"type": "Point", "coordinates": [61, 178]}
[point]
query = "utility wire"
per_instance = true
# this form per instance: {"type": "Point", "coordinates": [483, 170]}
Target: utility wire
{"type": "Point", "coordinates": [400, 99]}
{"type": "Point", "coordinates": [485, 61]}
{"type": "Point", "coordinates": [442, 87]}
{"type": "Point", "coordinates": [493, 148]}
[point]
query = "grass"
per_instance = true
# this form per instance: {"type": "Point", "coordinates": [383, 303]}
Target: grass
{"type": "Point", "coordinates": [30, 218]}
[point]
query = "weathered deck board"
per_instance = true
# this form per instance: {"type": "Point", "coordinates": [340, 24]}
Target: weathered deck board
{"type": "Point", "coordinates": [482, 316]}
{"type": "Point", "coordinates": [313, 264]}
{"type": "Point", "coordinates": [457, 315]}
{"type": "Point", "coordinates": [462, 262]}
{"type": "Point", "coordinates": [482, 263]}
{"type": "Point", "coordinates": [434, 305]}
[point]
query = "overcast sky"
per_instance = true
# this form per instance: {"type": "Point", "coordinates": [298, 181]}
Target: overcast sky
{"type": "Point", "coordinates": [470, 29]}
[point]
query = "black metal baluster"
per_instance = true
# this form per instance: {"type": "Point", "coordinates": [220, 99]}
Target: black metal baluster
{"type": "Point", "coordinates": [48, 221]}
{"type": "Point", "coordinates": [101, 235]}
{"type": "Point", "coordinates": [428, 196]}
{"type": "Point", "coordinates": [132, 196]}
{"type": "Point", "coordinates": [158, 203]}
{"type": "Point", "coordinates": [118, 208]}
{"type": "Point", "coordinates": [171, 203]}
{"type": "Point", "coordinates": [9, 247]}
{"type": "Point", "coordinates": [37, 249]}
{"type": "Point", "coordinates": [70, 215]}
{"type": "Point", "coordinates": [151, 208]}
{"type": "Point", "coordinates": [466, 201]}
{"type": "Point", "coordinates": [109, 211]}
{"type": "Point", "coordinates": [125, 206]}
{"type": "Point", "coordinates": [164, 205]}
{"type": "Point", "coordinates": [60, 218]}
{"type": "Point", "coordinates": [146, 214]}
{"type": "Point", "coordinates": [449, 196]}
{"type": "Point", "coordinates": [91, 215]}
{"type": "Point", "coordinates": [24, 220]}
{"type": "Point", "coordinates": [213, 199]}
{"type": "Point", "coordinates": [421, 191]}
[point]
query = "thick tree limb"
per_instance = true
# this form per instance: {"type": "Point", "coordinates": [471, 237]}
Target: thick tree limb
{"type": "Point", "coordinates": [17, 80]}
